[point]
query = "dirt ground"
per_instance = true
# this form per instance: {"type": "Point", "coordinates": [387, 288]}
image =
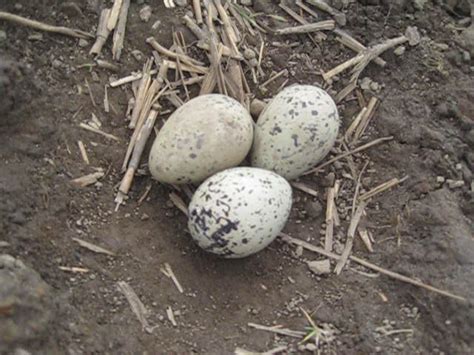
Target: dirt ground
{"type": "Point", "coordinates": [423, 228]}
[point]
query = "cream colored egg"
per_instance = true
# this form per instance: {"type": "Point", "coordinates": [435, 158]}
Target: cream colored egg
{"type": "Point", "coordinates": [207, 134]}
{"type": "Point", "coordinates": [239, 211]}
{"type": "Point", "coordinates": [295, 131]}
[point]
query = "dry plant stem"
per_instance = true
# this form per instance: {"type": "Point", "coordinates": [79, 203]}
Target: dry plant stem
{"type": "Point", "coordinates": [364, 123]}
{"type": "Point", "coordinates": [330, 208]}
{"type": "Point", "coordinates": [44, 27]}
{"type": "Point", "coordinates": [145, 194]}
{"type": "Point", "coordinates": [194, 28]}
{"type": "Point", "coordinates": [138, 148]}
{"type": "Point", "coordinates": [308, 28]}
{"type": "Point", "coordinates": [170, 315]}
{"type": "Point", "coordinates": [98, 131]}
{"type": "Point", "coordinates": [87, 180]}
{"type": "Point", "coordinates": [361, 60]}
{"type": "Point", "coordinates": [83, 151]}
{"type": "Point", "coordinates": [287, 239]}
{"type": "Point", "coordinates": [227, 26]}
{"type": "Point", "coordinates": [274, 77]}
{"type": "Point", "coordinates": [355, 45]}
{"type": "Point", "coordinates": [348, 136]}
{"type": "Point", "coordinates": [179, 203]}
{"type": "Point", "coordinates": [365, 237]}
{"type": "Point", "coordinates": [114, 15]}
{"type": "Point", "coordinates": [350, 237]}
{"type": "Point", "coordinates": [276, 330]}
{"type": "Point", "coordinates": [173, 277]}
{"type": "Point", "coordinates": [302, 187]}
{"type": "Point", "coordinates": [184, 58]}
{"type": "Point", "coordinates": [297, 17]}
{"type": "Point", "coordinates": [106, 100]}
{"type": "Point", "coordinates": [147, 106]}
{"type": "Point", "coordinates": [74, 269]}
{"type": "Point", "coordinates": [197, 11]}
{"type": "Point", "coordinates": [381, 188]}
{"type": "Point", "coordinates": [357, 188]}
{"type": "Point", "coordinates": [135, 304]}
{"type": "Point", "coordinates": [142, 90]}
{"type": "Point", "coordinates": [102, 32]}
{"type": "Point", "coordinates": [353, 151]}
{"type": "Point", "coordinates": [92, 247]}
{"type": "Point", "coordinates": [107, 65]}
{"type": "Point", "coordinates": [119, 34]}
{"type": "Point", "coordinates": [91, 95]}
{"type": "Point", "coordinates": [346, 91]}
{"type": "Point", "coordinates": [300, 4]}
{"type": "Point", "coordinates": [338, 16]}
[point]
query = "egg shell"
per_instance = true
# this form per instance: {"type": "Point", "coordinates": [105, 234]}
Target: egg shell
{"type": "Point", "coordinates": [295, 131]}
{"type": "Point", "coordinates": [207, 134]}
{"type": "Point", "coordinates": [239, 211]}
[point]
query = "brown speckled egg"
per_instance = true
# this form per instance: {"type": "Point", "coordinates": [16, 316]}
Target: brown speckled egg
{"type": "Point", "coordinates": [239, 211]}
{"type": "Point", "coordinates": [207, 134]}
{"type": "Point", "coordinates": [295, 131]}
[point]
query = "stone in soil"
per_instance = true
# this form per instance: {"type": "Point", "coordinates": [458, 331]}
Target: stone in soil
{"type": "Point", "coordinates": [25, 304]}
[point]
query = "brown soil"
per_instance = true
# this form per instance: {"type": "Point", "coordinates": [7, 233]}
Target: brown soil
{"type": "Point", "coordinates": [422, 229]}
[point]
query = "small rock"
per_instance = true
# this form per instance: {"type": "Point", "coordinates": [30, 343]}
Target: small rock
{"type": "Point", "coordinates": [441, 46]}
{"type": "Point", "coordinates": [71, 9]}
{"type": "Point", "coordinates": [83, 43]}
{"type": "Point", "coordinates": [298, 251]}
{"type": "Point", "coordinates": [144, 217]}
{"type": "Point", "coordinates": [253, 62]}
{"type": "Point", "coordinates": [320, 267]}
{"type": "Point", "coordinates": [18, 6]}
{"type": "Point", "coordinates": [314, 209]}
{"type": "Point", "coordinates": [56, 63]}
{"type": "Point", "coordinates": [181, 3]}
{"type": "Point", "coordinates": [467, 38]}
{"type": "Point", "coordinates": [469, 138]}
{"type": "Point", "coordinates": [365, 83]}
{"type": "Point", "coordinates": [27, 304]}
{"type": "Point", "coordinates": [466, 56]}
{"type": "Point", "coordinates": [246, 2]}
{"type": "Point", "coordinates": [311, 347]}
{"type": "Point", "coordinates": [440, 179]}
{"type": "Point", "coordinates": [399, 51]}
{"type": "Point", "coordinates": [329, 180]}
{"type": "Point", "coordinates": [156, 25]}
{"type": "Point", "coordinates": [138, 55]}
{"type": "Point", "coordinates": [249, 53]}
{"type": "Point", "coordinates": [3, 36]}
{"type": "Point", "coordinates": [145, 13]}
{"type": "Point", "coordinates": [419, 4]}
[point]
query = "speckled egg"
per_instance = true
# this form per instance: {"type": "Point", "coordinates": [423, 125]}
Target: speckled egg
{"type": "Point", "coordinates": [239, 211]}
{"type": "Point", "coordinates": [295, 131]}
{"type": "Point", "coordinates": [207, 134]}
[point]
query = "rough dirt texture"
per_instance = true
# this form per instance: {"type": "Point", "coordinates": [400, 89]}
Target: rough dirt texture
{"type": "Point", "coordinates": [424, 228]}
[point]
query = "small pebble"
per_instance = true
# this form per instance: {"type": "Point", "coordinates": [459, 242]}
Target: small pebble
{"type": "Point", "coordinates": [3, 36]}
{"type": "Point", "coordinates": [145, 13]}
{"type": "Point", "coordinates": [440, 179]}
{"type": "Point", "coordinates": [181, 3]}
{"type": "Point", "coordinates": [246, 2]}
{"type": "Point", "coordinates": [83, 43]}
{"type": "Point", "coordinates": [249, 53]}
{"type": "Point", "coordinates": [399, 51]}
{"type": "Point", "coordinates": [442, 46]}
{"type": "Point", "coordinates": [466, 56]}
